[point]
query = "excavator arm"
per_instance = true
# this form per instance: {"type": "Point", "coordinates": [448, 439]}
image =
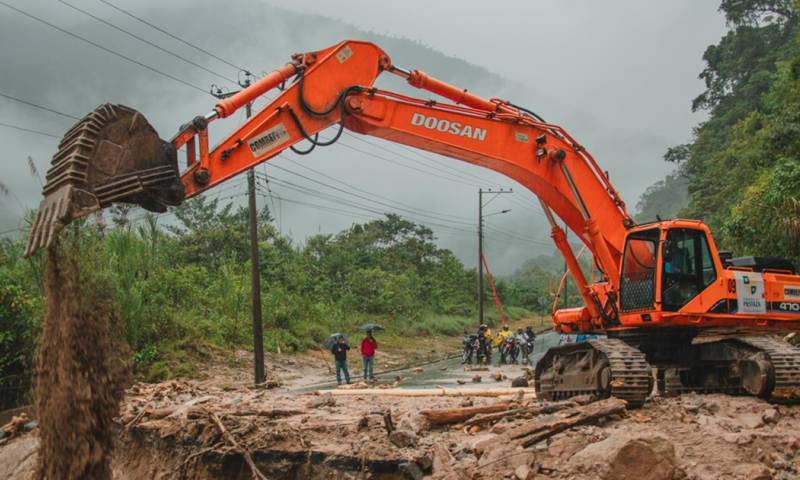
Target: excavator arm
{"type": "Point", "coordinates": [113, 155]}
{"type": "Point", "coordinates": [334, 87]}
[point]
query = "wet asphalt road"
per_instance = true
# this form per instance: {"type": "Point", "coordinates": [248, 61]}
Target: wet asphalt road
{"type": "Point", "coordinates": [447, 373]}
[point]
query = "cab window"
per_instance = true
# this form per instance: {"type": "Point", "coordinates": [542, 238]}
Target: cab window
{"type": "Point", "coordinates": [688, 267]}
{"type": "Point", "coordinates": [637, 290]}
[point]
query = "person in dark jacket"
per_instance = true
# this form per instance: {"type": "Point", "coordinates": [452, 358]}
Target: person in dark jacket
{"type": "Point", "coordinates": [368, 347]}
{"type": "Point", "coordinates": [339, 351]}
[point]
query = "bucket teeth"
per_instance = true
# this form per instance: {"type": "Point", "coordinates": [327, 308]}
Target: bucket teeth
{"type": "Point", "coordinates": [111, 155]}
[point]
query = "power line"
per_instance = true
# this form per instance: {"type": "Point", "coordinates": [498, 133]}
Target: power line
{"type": "Point", "coordinates": [377, 214]}
{"type": "Point", "coordinates": [403, 165]}
{"type": "Point", "coordinates": [457, 173]}
{"type": "Point", "coordinates": [148, 42]}
{"type": "Point", "coordinates": [35, 105]}
{"type": "Point", "coordinates": [324, 207]}
{"type": "Point", "coordinates": [185, 42]}
{"type": "Point", "coordinates": [374, 194]}
{"type": "Point", "coordinates": [12, 230]}
{"type": "Point", "coordinates": [101, 47]}
{"type": "Point", "coordinates": [351, 203]}
{"type": "Point", "coordinates": [29, 130]}
{"type": "Point", "coordinates": [435, 215]}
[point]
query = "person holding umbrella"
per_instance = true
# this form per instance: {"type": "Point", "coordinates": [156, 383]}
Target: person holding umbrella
{"type": "Point", "coordinates": [368, 347]}
{"type": "Point", "coordinates": [339, 351]}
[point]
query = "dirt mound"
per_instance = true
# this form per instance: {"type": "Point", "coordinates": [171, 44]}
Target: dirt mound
{"type": "Point", "coordinates": [78, 386]}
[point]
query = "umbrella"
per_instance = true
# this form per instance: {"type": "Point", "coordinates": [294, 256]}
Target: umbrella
{"type": "Point", "coordinates": [328, 343]}
{"type": "Point", "coordinates": [371, 326]}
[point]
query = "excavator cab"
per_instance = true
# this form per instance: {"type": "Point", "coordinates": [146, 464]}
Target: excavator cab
{"type": "Point", "coordinates": [665, 266]}
{"type": "Point", "coordinates": [111, 155]}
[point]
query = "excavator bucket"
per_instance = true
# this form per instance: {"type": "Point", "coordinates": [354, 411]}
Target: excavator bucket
{"type": "Point", "coordinates": [111, 155]}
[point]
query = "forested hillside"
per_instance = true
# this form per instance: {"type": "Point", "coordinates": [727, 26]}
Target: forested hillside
{"type": "Point", "coordinates": [742, 167]}
{"type": "Point", "coordinates": [183, 290]}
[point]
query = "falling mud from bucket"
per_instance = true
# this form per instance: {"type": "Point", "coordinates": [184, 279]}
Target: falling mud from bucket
{"type": "Point", "coordinates": [78, 384]}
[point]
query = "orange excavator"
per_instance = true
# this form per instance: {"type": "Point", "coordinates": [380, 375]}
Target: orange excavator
{"type": "Point", "coordinates": [666, 299]}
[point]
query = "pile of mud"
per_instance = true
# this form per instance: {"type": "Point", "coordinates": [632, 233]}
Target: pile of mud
{"type": "Point", "coordinates": [78, 385]}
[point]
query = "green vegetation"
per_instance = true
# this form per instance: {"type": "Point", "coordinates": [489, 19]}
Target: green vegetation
{"type": "Point", "coordinates": [743, 166]}
{"type": "Point", "coordinates": [183, 290]}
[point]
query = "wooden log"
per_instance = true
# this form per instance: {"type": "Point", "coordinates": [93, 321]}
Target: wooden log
{"type": "Point", "coordinates": [432, 392]}
{"type": "Point", "coordinates": [532, 433]}
{"type": "Point", "coordinates": [158, 413]}
{"type": "Point", "coordinates": [580, 416]}
{"type": "Point", "coordinates": [529, 411]}
{"type": "Point", "coordinates": [269, 413]}
{"type": "Point", "coordinates": [445, 416]}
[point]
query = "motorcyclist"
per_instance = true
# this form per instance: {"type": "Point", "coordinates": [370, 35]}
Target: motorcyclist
{"type": "Point", "coordinates": [487, 332]}
{"type": "Point", "coordinates": [484, 342]}
{"type": "Point", "coordinates": [501, 337]}
{"type": "Point", "coordinates": [530, 334]}
{"type": "Point", "coordinates": [469, 346]}
{"type": "Point", "coordinates": [523, 345]}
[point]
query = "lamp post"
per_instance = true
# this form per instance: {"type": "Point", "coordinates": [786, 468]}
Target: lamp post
{"type": "Point", "coordinates": [481, 216]}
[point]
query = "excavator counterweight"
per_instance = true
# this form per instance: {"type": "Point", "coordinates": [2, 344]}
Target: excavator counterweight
{"type": "Point", "coordinates": [111, 155]}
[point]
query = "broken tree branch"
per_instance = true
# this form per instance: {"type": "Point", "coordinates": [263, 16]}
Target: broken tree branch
{"type": "Point", "coordinates": [532, 433]}
{"type": "Point", "coordinates": [529, 411]}
{"type": "Point", "coordinates": [269, 413]}
{"type": "Point", "coordinates": [232, 441]}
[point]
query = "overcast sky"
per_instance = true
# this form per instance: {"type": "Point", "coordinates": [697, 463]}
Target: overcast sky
{"type": "Point", "coordinates": [618, 75]}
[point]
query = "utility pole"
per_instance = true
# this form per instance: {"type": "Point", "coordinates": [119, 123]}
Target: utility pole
{"type": "Point", "coordinates": [255, 267]}
{"type": "Point", "coordinates": [481, 216]}
{"type": "Point", "coordinates": [480, 256]}
{"type": "Point", "coordinates": [255, 271]}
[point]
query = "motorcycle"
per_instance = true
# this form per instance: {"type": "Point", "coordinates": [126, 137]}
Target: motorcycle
{"type": "Point", "coordinates": [471, 346]}
{"type": "Point", "coordinates": [508, 350]}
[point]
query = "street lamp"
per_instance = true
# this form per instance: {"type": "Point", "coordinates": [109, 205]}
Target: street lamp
{"type": "Point", "coordinates": [481, 216]}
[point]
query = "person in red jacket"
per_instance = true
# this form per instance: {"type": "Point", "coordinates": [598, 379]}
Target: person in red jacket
{"type": "Point", "coordinates": [368, 347]}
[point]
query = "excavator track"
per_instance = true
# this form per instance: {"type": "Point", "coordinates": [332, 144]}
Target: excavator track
{"type": "Point", "coordinates": [784, 375]}
{"type": "Point", "coordinates": [603, 367]}
{"type": "Point", "coordinates": [761, 366]}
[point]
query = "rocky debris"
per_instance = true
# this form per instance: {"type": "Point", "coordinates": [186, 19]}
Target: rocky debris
{"type": "Point", "coordinates": [498, 376]}
{"type": "Point", "coordinates": [476, 379]}
{"type": "Point", "coordinates": [770, 415]}
{"type": "Point", "coordinates": [442, 459]}
{"type": "Point", "coordinates": [403, 438]}
{"type": "Point", "coordinates": [325, 400]}
{"type": "Point", "coordinates": [519, 382]}
{"type": "Point", "coordinates": [751, 420]}
{"type": "Point", "coordinates": [650, 458]}
{"type": "Point", "coordinates": [289, 436]}
{"type": "Point", "coordinates": [417, 370]}
{"type": "Point", "coordinates": [523, 472]}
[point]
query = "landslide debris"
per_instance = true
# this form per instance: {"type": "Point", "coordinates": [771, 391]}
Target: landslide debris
{"type": "Point", "coordinates": [78, 384]}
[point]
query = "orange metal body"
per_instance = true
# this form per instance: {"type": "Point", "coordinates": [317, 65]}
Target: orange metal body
{"type": "Point", "coordinates": [491, 133]}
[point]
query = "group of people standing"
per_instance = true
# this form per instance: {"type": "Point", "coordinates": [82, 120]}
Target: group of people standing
{"type": "Point", "coordinates": [509, 344]}
{"type": "Point", "coordinates": [368, 348]}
